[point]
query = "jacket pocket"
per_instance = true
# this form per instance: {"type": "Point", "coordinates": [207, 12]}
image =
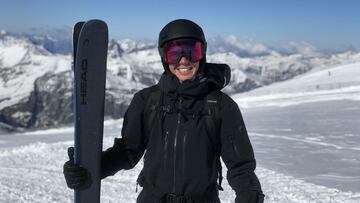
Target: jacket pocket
{"type": "Point", "coordinates": [236, 141]}
{"type": "Point", "coordinates": [235, 144]}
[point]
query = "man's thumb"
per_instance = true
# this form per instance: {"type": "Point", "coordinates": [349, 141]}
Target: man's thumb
{"type": "Point", "coordinates": [71, 154]}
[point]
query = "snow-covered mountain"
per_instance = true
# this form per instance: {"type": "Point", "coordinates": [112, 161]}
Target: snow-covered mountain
{"type": "Point", "coordinates": [36, 86]}
{"type": "Point", "coordinates": [36, 76]}
{"type": "Point", "coordinates": [320, 84]}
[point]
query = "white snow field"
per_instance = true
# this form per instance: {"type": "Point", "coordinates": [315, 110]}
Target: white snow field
{"type": "Point", "coordinates": [306, 138]}
{"type": "Point", "coordinates": [33, 173]}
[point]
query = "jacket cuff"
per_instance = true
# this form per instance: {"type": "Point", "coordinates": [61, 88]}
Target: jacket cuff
{"type": "Point", "coordinates": [249, 196]}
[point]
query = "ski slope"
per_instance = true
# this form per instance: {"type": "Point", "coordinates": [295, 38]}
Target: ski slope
{"type": "Point", "coordinates": [337, 83]}
{"type": "Point", "coordinates": [305, 135]}
{"type": "Point", "coordinates": [31, 166]}
{"type": "Point", "coordinates": [33, 173]}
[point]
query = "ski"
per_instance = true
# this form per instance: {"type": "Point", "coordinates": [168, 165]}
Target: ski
{"type": "Point", "coordinates": [75, 39]}
{"type": "Point", "coordinates": [90, 41]}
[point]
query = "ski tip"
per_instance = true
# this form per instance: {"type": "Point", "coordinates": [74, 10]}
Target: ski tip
{"type": "Point", "coordinates": [93, 22]}
{"type": "Point", "coordinates": [97, 21]}
{"type": "Point", "coordinates": [79, 24]}
{"type": "Point", "coordinates": [96, 24]}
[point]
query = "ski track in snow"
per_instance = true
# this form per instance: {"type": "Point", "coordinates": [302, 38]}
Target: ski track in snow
{"type": "Point", "coordinates": [308, 140]}
{"type": "Point", "coordinates": [33, 173]}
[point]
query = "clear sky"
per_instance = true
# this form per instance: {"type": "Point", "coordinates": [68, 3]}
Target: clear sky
{"type": "Point", "coordinates": [327, 24]}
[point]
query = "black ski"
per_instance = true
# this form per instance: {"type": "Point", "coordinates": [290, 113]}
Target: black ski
{"type": "Point", "coordinates": [75, 39]}
{"type": "Point", "coordinates": [90, 42]}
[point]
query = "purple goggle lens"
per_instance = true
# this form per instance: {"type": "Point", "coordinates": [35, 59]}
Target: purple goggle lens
{"type": "Point", "coordinates": [188, 48]}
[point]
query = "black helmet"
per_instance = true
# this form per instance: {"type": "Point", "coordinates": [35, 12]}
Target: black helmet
{"type": "Point", "coordinates": [178, 29]}
{"type": "Point", "coordinates": [181, 28]}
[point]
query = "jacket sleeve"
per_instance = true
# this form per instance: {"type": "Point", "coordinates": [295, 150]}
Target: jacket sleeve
{"type": "Point", "coordinates": [128, 150]}
{"type": "Point", "coordinates": [237, 154]}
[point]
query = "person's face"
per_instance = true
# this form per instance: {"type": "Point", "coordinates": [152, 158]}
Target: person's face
{"type": "Point", "coordinates": [183, 56]}
{"type": "Point", "coordinates": [185, 69]}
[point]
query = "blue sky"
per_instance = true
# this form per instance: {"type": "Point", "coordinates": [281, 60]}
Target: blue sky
{"type": "Point", "coordinates": [327, 24]}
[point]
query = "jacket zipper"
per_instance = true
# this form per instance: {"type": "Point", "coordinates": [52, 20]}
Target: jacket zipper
{"type": "Point", "coordinates": [183, 153]}
{"type": "Point", "coordinates": [166, 147]}
{"type": "Point", "coordinates": [175, 143]}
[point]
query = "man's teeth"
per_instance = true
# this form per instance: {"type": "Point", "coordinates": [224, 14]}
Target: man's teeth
{"type": "Point", "coordinates": [183, 70]}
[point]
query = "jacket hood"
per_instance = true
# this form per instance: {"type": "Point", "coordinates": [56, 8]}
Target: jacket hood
{"type": "Point", "coordinates": [219, 74]}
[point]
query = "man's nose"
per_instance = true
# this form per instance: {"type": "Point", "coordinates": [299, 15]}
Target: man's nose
{"type": "Point", "coordinates": [184, 61]}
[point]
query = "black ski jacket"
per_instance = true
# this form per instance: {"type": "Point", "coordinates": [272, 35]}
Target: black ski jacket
{"type": "Point", "coordinates": [180, 160]}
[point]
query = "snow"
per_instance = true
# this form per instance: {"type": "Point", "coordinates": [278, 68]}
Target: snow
{"type": "Point", "coordinates": [305, 131]}
{"type": "Point", "coordinates": [286, 99]}
{"type": "Point", "coordinates": [22, 63]}
{"type": "Point", "coordinates": [19, 88]}
{"type": "Point", "coordinates": [147, 60]}
{"type": "Point", "coordinates": [11, 55]}
{"type": "Point", "coordinates": [132, 65]}
{"type": "Point", "coordinates": [306, 151]}
{"type": "Point", "coordinates": [337, 83]}
{"type": "Point", "coordinates": [33, 173]}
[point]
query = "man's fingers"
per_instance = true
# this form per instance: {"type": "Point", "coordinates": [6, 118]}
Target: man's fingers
{"type": "Point", "coordinates": [71, 153]}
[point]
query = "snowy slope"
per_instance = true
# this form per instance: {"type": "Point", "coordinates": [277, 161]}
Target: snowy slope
{"type": "Point", "coordinates": [336, 83]}
{"type": "Point", "coordinates": [34, 160]}
{"type": "Point", "coordinates": [33, 173]}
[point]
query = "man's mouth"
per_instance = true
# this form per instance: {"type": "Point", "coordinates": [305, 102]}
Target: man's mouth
{"type": "Point", "coordinates": [184, 69]}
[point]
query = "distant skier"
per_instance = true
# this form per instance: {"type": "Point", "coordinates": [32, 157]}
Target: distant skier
{"type": "Point", "coordinates": [183, 124]}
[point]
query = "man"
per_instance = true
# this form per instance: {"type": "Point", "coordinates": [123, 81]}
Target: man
{"type": "Point", "coordinates": [183, 124]}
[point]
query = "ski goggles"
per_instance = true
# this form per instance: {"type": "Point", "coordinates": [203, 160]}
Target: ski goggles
{"type": "Point", "coordinates": [174, 50]}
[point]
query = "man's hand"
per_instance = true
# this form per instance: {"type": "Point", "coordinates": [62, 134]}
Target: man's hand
{"type": "Point", "coordinates": [75, 175]}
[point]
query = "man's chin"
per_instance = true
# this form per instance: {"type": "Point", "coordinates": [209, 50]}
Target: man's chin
{"type": "Point", "coordinates": [184, 78]}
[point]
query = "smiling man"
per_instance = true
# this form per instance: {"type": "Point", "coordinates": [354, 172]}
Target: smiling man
{"type": "Point", "coordinates": [183, 56]}
{"type": "Point", "coordinates": [183, 125]}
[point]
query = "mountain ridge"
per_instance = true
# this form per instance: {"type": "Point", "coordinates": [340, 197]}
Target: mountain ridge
{"type": "Point", "coordinates": [36, 79]}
